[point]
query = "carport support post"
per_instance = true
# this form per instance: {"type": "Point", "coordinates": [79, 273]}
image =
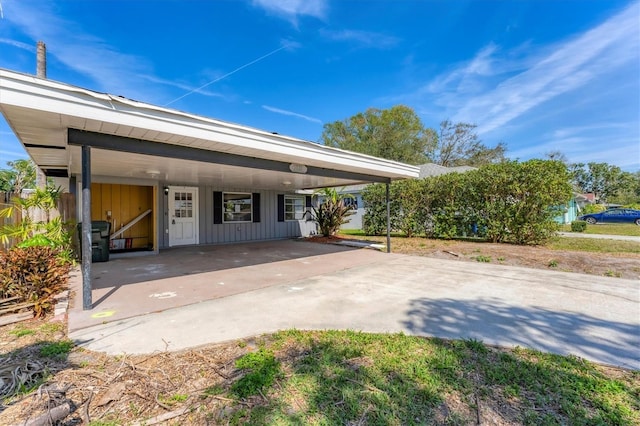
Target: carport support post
{"type": "Point", "coordinates": [388, 220]}
{"type": "Point", "coordinates": [85, 238]}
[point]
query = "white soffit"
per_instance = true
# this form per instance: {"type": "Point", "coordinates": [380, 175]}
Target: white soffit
{"type": "Point", "coordinates": [40, 111]}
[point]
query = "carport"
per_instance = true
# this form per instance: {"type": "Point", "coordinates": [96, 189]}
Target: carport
{"type": "Point", "coordinates": [128, 287]}
{"type": "Point", "coordinates": [212, 181]}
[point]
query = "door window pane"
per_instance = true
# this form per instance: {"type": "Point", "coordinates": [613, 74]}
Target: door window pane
{"type": "Point", "coordinates": [183, 204]}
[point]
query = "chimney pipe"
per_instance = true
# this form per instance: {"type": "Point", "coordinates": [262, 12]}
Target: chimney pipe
{"type": "Point", "coordinates": [41, 72]}
{"type": "Point", "coordinates": [41, 60]}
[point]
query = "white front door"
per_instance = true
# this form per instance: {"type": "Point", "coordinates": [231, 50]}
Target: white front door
{"type": "Point", "coordinates": [183, 215]}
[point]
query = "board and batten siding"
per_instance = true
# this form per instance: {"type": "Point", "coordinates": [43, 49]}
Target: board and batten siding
{"type": "Point", "coordinates": [120, 204]}
{"type": "Point", "coordinates": [211, 233]}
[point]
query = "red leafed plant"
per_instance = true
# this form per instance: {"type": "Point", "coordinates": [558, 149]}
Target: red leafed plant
{"type": "Point", "coordinates": [34, 275]}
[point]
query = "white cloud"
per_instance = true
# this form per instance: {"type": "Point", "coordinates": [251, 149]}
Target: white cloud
{"type": "Point", "coordinates": [363, 38]}
{"type": "Point", "coordinates": [292, 9]}
{"type": "Point", "coordinates": [70, 44]}
{"type": "Point", "coordinates": [583, 144]}
{"type": "Point", "coordinates": [18, 44]}
{"type": "Point", "coordinates": [290, 113]}
{"type": "Point", "coordinates": [568, 66]}
{"type": "Point", "coordinates": [555, 97]}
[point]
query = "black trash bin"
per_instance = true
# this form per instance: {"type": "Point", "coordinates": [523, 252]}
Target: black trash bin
{"type": "Point", "coordinates": [100, 231]}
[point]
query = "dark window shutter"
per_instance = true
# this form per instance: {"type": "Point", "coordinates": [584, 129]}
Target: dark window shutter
{"type": "Point", "coordinates": [217, 207]}
{"type": "Point", "coordinates": [256, 206]}
{"type": "Point", "coordinates": [280, 207]}
{"type": "Point", "coordinates": [308, 202]}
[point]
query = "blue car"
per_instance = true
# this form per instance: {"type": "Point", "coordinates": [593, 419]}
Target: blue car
{"type": "Point", "coordinates": [613, 216]}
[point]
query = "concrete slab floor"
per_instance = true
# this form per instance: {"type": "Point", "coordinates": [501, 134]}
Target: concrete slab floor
{"type": "Point", "coordinates": [129, 287]}
{"type": "Point", "coordinates": [597, 318]}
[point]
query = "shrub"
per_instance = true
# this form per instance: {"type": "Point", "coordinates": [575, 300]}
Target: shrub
{"type": "Point", "coordinates": [374, 221]}
{"type": "Point", "coordinates": [578, 226]}
{"type": "Point", "coordinates": [332, 212]}
{"type": "Point", "coordinates": [33, 274]}
{"type": "Point", "coordinates": [593, 208]}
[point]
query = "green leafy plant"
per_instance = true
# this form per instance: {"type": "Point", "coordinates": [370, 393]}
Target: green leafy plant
{"type": "Point", "coordinates": [332, 211]}
{"type": "Point", "coordinates": [56, 349]}
{"type": "Point", "coordinates": [33, 274]}
{"type": "Point", "coordinates": [578, 226]}
{"type": "Point", "coordinates": [553, 263]}
{"type": "Point", "coordinates": [261, 368]}
{"type": "Point", "coordinates": [483, 259]}
{"type": "Point", "coordinates": [593, 208]}
{"type": "Point", "coordinates": [19, 332]}
{"type": "Point", "coordinates": [508, 202]}
{"type": "Point", "coordinates": [38, 225]}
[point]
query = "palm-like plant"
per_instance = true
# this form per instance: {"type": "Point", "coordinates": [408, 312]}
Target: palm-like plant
{"type": "Point", "coordinates": [33, 230]}
{"type": "Point", "coordinates": [332, 212]}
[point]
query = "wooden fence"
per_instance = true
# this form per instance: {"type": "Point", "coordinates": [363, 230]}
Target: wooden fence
{"type": "Point", "coordinates": [66, 210]}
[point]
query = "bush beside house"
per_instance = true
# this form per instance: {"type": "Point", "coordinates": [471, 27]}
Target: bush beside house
{"type": "Point", "coordinates": [506, 202]}
{"type": "Point", "coordinates": [36, 268]}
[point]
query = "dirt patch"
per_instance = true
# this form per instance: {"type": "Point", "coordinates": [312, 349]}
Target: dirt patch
{"type": "Point", "coordinates": [619, 265]}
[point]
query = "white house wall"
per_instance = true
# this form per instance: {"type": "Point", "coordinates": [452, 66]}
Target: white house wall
{"type": "Point", "coordinates": [211, 233]}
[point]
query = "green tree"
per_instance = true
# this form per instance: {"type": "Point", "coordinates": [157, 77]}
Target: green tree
{"type": "Point", "coordinates": [602, 179]}
{"type": "Point", "coordinates": [395, 134]}
{"type": "Point", "coordinates": [20, 175]}
{"type": "Point", "coordinates": [459, 145]}
{"type": "Point", "coordinates": [629, 193]}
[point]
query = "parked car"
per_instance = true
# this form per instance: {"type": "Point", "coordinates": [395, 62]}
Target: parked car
{"type": "Point", "coordinates": [613, 216]}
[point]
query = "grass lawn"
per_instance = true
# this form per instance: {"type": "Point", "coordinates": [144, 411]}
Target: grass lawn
{"type": "Point", "coordinates": [298, 377]}
{"type": "Point", "coordinates": [609, 229]}
{"type": "Point", "coordinates": [402, 244]}
{"type": "Point", "coordinates": [348, 378]}
{"type": "Point", "coordinates": [593, 245]}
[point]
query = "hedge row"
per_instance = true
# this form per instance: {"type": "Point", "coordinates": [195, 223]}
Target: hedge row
{"type": "Point", "coordinates": [507, 202]}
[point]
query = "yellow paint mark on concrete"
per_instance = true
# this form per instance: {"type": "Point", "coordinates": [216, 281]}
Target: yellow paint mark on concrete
{"type": "Point", "coordinates": [104, 314]}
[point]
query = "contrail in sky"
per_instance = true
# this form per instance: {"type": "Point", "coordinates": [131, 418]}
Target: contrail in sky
{"type": "Point", "coordinates": [229, 73]}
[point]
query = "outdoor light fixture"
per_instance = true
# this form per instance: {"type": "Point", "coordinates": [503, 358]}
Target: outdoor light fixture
{"type": "Point", "coordinates": [298, 168]}
{"type": "Point", "coordinates": [166, 190]}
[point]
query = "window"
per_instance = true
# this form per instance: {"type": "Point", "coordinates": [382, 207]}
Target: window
{"type": "Point", "coordinates": [237, 207]}
{"type": "Point", "coordinates": [183, 204]}
{"type": "Point", "coordinates": [350, 202]}
{"type": "Point", "coordinates": [294, 208]}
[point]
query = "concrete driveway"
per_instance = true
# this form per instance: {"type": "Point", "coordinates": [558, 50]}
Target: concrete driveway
{"type": "Point", "coordinates": [597, 318]}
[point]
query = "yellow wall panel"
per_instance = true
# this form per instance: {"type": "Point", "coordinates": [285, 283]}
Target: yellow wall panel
{"type": "Point", "coordinates": [125, 202]}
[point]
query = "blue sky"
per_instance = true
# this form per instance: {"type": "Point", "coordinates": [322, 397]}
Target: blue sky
{"type": "Point", "coordinates": [537, 75]}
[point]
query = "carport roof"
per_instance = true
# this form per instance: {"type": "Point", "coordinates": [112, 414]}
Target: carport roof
{"type": "Point", "coordinates": [136, 140]}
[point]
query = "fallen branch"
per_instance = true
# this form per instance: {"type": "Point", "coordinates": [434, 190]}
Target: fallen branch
{"type": "Point", "coordinates": [86, 418]}
{"type": "Point", "coordinates": [163, 417]}
{"type": "Point", "coordinates": [52, 416]}
{"type": "Point", "coordinates": [452, 253]}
